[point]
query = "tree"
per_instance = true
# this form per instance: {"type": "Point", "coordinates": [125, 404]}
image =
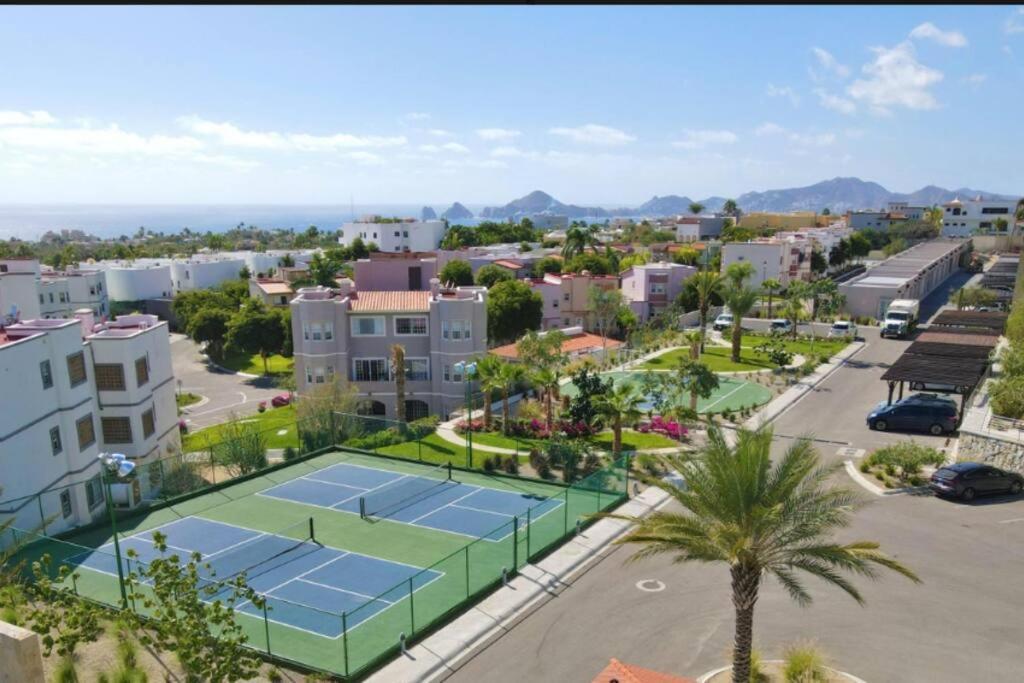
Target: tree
{"type": "Point", "coordinates": [240, 447]}
{"type": "Point", "coordinates": [771, 285]}
{"type": "Point", "coordinates": [593, 263]}
{"type": "Point", "coordinates": [62, 619]}
{"type": "Point", "coordinates": [686, 256]}
{"type": "Point", "coordinates": [819, 264]}
{"type": "Point", "coordinates": [760, 519]}
{"type": "Point", "coordinates": [696, 208]}
{"type": "Point", "coordinates": [490, 275]}
{"type": "Point", "coordinates": [547, 264]}
{"type": "Point", "coordinates": [191, 616]}
{"type": "Point", "coordinates": [360, 249]}
{"type": "Point", "coordinates": [457, 272]}
{"type": "Point", "coordinates": [590, 387]}
{"type": "Point", "coordinates": [794, 309]}
{"type": "Point", "coordinates": [546, 379]}
{"type": "Point", "coordinates": [605, 304]}
{"type": "Point", "coordinates": [287, 261]}
{"type": "Point", "coordinates": [696, 378]}
{"type": "Point", "coordinates": [323, 270]}
{"type": "Point", "coordinates": [398, 362]}
{"type": "Point", "coordinates": [621, 403]}
{"type": "Point", "coordinates": [210, 325]}
{"type": "Point", "coordinates": [826, 211]}
{"type": "Point", "coordinates": [489, 375]}
{"type": "Point", "coordinates": [822, 290]}
{"type": "Point", "coordinates": [839, 254]}
{"type": "Point", "coordinates": [542, 350]}
{"type": "Point", "coordinates": [244, 273]}
{"type": "Point", "coordinates": [973, 297]}
{"type": "Point", "coordinates": [512, 309]}
{"type": "Point", "coordinates": [729, 208]}
{"type": "Point", "coordinates": [254, 329]}
{"type": "Point", "coordinates": [187, 304]}
{"type": "Point", "coordinates": [511, 374]}
{"type": "Point", "coordinates": [577, 239]}
{"type": "Point", "coordinates": [860, 245]}
{"type": "Point", "coordinates": [738, 273]}
{"type": "Point", "coordinates": [740, 300]}
{"type": "Point", "coordinates": [704, 286]}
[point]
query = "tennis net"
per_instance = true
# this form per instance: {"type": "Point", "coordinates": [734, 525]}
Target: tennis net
{"type": "Point", "coordinates": [262, 553]}
{"type": "Point", "coordinates": [404, 491]}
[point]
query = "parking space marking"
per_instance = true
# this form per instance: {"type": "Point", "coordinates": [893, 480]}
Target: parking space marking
{"type": "Point", "coordinates": [1011, 521]}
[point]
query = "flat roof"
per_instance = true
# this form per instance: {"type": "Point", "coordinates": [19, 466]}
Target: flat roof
{"type": "Point", "coordinates": [950, 349]}
{"type": "Point", "coordinates": [989, 320]}
{"type": "Point", "coordinates": [957, 371]}
{"type": "Point", "coordinates": [960, 336]}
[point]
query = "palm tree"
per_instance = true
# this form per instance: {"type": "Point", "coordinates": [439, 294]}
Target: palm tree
{"type": "Point", "coordinates": [738, 273]}
{"type": "Point", "coordinates": [547, 379]}
{"type": "Point", "coordinates": [693, 340]}
{"type": "Point", "coordinates": [739, 300]}
{"type": "Point", "coordinates": [510, 375]}
{"type": "Point", "coordinates": [698, 379]}
{"type": "Point", "coordinates": [398, 364]}
{"type": "Point", "coordinates": [729, 208]}
{"type": "Point", "coordinates": [696, 208]}
{"type": "Point", "coordinates": [794, 308]}
{"type": "Point", "coordinates": [771, 285]}
{"type": "Point", "coordinates": [704, 285]}
{"type": "Point", "coordinates": [488, 373]}
{"type": "Point", "coordinates": [822, 290]}
{"type": "Point", "coordinates": [761, 519]}
{"type": "Point", "coordinates": [620, 404]}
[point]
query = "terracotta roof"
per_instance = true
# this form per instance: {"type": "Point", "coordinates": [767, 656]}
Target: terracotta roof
{"type": "Point", "coordinates": [575, 344]}
{"type": "Point", "coordinates": [274, 287]}
{"type": "Point", "coordinates": [508, 263]}
{"type": "Point", "coordinates": [618, 672]}
{"type": "Point", "coordinates": [390, 301]}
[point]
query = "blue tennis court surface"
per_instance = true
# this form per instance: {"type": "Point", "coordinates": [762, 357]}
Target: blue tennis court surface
{"type": "Point", "coordinates": [307, 585]}
{"type": "Point", "coordinates": [445, 505]}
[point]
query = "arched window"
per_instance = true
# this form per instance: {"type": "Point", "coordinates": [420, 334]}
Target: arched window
{"type": "Point", "coordinates": [414, 410]}
{"type": "Point", "coordinates": [368, 407]}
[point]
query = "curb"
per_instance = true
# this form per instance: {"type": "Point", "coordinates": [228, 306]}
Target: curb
{"type": "Point", "coordinates": [706, 677]}
{"type": "Point", "coordinates": [871, 487]}
{"type": "Point", "coordinates": [203, 400]}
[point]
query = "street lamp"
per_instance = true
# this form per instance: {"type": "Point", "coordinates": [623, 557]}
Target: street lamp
{"type": "Point", "coordinates": [118, 466]}
{"type": "Point", "coordinates": [467, 370]}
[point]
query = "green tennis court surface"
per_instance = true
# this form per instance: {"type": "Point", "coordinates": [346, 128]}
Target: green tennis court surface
{"type": "Point", "coordinates": [732, 393]}
{"type": "Point", "coordinates": [339, 599]}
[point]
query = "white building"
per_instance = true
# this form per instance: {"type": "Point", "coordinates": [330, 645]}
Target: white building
{"type": "Point", "coordinates": [697, 228]}
{"type": "Point", "coordinates": [823, 239]}
{"type": "Point", "coordinates": [44, 293]}
{"type": "Point", "coordinates": [785, 260]}
{"type": "Point", "coordinates": [404, 235]}
{"type": "Point", "coordinates": [137, 280]}
{"type": "Point", "coordinates": [201, 272]}
{"type": "Point", "coordinates": [81, 389]}
{"type": "Point", "coordinates": [966, 217]}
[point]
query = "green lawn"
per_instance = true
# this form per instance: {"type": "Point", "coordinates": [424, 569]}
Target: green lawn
{"type": "Point", "coordinates": [431, 448]}
{"type": "Point", "coordinates": [719, 358]}
{"type": "Point", "coordinates": [271, 422]}
{"type": "Point", "coordinates": [630, 441]}
{"type": "Point", "coordinates": [253, 365]}
{"type": "Point", "coordinates": [186, 399]}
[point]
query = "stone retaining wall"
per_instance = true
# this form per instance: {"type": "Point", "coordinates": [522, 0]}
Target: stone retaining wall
{"type": "Point", "coordinates": [1007, 454]}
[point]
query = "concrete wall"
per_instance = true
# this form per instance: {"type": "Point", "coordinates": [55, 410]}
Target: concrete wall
{"type": "Point", "coordinates": [21, 660]}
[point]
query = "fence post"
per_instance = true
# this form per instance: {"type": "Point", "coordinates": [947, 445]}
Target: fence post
{"type": "Point", "coordinates": [42, 516]}
{"type": "Point", "coordinates": [515, 543]}
{"type": "Point", "coordinates": [344, 640]}
{"type": "Point", "coordinates": [467, 571]}
{"type": "Point", "coordinates": [529, 523]}
{"type": "Point", "coordinates": [266, 624]}
{"type": "Point", "coordinates": [412, 610]}
{"type": "Point", "coordinates": [213, 469]}
{"type": "Point", "coordinates": [565, 526]}
{"type": "Point", "coordinates": [625, 462]}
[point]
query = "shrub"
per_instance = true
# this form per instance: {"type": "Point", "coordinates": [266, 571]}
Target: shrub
{"type": "Point", "coordinates": [904, 460]}
{"type": "Point", "coordinates": [290, 453]}
{"type": "Point", "coordinates": [385, 437]}
{"type": "Point", "coordinates": [488, 465]}
{"type": "Point", "coordinates": [541, 464]}
{"type": "Point", "coordinates": [1008, 396]}
{"type": "Point", "coordinates": [181, 479]}
{"type": "Point", "coordinates": [262, 407]}
{"type": "Point", "coordinates": [864, 466]}
{"type": "Point", "coordinates": [804, 664]}
{"type": "Point", "coordinates": [649, 463]}
{"type": "Point", "coordinates": [510, 464]}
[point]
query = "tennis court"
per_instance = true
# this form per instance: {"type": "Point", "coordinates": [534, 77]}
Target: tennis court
{"type": "Point", "coordinates": [434, 499]}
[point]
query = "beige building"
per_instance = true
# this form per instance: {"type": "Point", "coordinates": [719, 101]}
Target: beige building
{"type": "Point", "coordinates": [270, 291]}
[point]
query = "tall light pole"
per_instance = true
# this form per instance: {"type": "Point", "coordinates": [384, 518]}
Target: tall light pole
{"type": "Point", "coordinates": [118, 466]}
{"type": "Point", "coordinates": [467, 370]}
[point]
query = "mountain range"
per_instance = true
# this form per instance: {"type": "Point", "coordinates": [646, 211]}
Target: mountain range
{"type": "Point", "coordinates": [838, 195]}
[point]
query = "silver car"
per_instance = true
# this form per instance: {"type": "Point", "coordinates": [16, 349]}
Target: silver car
{"type": "Point", "coordinates": [842, 329]}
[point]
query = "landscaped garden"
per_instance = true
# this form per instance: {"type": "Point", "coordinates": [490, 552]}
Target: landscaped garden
{"type": "Point", "coordinates": [276, 424]}
{"type": "Point", "coordinates": [719, 358]}
{"type": "Point", "coordinates": [253, 364]}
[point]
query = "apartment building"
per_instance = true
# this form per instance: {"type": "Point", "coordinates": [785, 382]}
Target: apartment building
{"type": "Point", "coordinates": [783, 259]}
{"type": "Point", "coordinates": [82, 388]}
{"type": "Point", "coordinates": [401, 235]}
{"type": "Point", "coordinates": [38, 292]}
{"type": "Point", "coordinates": [652, 287]}
{"type": "Point", "coordinates": [271, 291]}
{"type": "Point", "coordinates": [894, 213]}
{"type": "Point", "coordinates": [696, 228]}
{"type": "Point", "coordinates": [346, 335]}
{"type": "Point", "coordinates": [391, 272]}
{"type": "Point", "coordinates": [966, 217]}
{"type": "Point", "coordinates": [567, 298]}
{"type": "Point", "coordinates": [204, 272]}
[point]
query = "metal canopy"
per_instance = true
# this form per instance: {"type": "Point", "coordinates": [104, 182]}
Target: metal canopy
{"type": "Point", "coordinates": [957, 335]}
{"type": "Point", "coordinates": [989, 320]}
{"type": "Point", "coordinates": [955, 371]}
{"type": "Point", "coordinates": [947, 349]}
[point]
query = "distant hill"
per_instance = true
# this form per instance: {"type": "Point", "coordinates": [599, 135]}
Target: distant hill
{"type": "Point", "coordinates": [669, 205]}
{"type": "Point", "coordinates": [539, 202]}
{"type": "Point", "coordinates": [428, 214]}
{"type": "Point", "coordinates": [457, 212]}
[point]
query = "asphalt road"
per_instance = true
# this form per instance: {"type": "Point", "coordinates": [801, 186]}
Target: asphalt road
{"type": "Point", "coordinates": [227, 393]}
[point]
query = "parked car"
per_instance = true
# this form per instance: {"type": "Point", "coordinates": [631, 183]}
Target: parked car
{"type": "Point", "coordinates": [780, 326]}
{"type": "Point", "coordinates": [923, 398]}
{"type": "Point", "coordinates": [965, 480]}
{"type": "Point", "coordinates": [842, 329]}
{"type": "Point", "coordinates": [915, 414]}
{"type": "Point", "coordinates": [281, 400]}
{"type": "Point", "coordinates": [723, 321]}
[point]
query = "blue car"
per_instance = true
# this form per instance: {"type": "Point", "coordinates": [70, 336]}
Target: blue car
{"type": "Point", "coordinates": [936, 417]}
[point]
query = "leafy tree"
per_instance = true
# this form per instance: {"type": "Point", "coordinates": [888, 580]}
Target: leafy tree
{"type": "Point", "coordinates": [547, 265]}
{"type": "Point", "coordinates": [457, 272]}
{"type": "Point", "coordinates": [236, 291]}
{"type": "Point", "coordinates": [895, 246]}
{"type": "Point", "coordinates": [973, 297]}
{"type": "Point", "coordinates": [490, 275]}
{"type": "Point", "coordinates": [241, 448]}
{"type": "Point", "coordinates": [244, 273]}
{"type": "Point", "coordinates": [512, 309]}
{"type": "Point", "coordinates": [360, 249]}
{"type": "Point", "coordinates": [696, 208]}
{"type": "Point", "coordinates": [605, 304]}
{"type": "Point", "coordinates": [760, 519]}
{"type": "Point", "coordinates": [740, 300]}
{"type": "Point", "coordinates": [62, 620]}
{"type": "Point", "coordinates": [818, 262]}
{"type": "Point", "coordinates": [210, 325]}
{"type": "Point", "coordinates": [658, 390]}
{"type": "Point", "coordinates": [621, 403]}
{"type": "Point", "coordinates": [542, 350]}
{"type": "Point", "coordinates": [187, 304]}
{"type": "Point", "coordinates": [191, 616]}
{"type": "Point", "coordinates": [839, 254]}
{"type": "Point", "coordinates": [729, 208]}
{"type": "Point", "coordinates": [254, 329]}
{"type": "Point", "coordinates": [704, 285]}
{"type": "Point", "coordinates": [589, 387]}
{"type": "Point", "coordinates": [686, 256]}
{"type": "Point", "coordinates": [697, 379]}
{"type": "Point", "coordinates": [626, 320]}
{"type": "Point", "coordinates": [770, 286]}
{"type": "Point", "coordinates": [860, 245]}
{"type": "Point", "coordinates": [636, 259]}
{"type": "Point", "coordinates": [594, 263]}
{"type": "Point", "coordinates": [1008, 397]}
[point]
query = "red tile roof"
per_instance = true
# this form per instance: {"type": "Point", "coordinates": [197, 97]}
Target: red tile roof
{"type": "Point", "coordinates": [363, 302]}
{"type": "Point", "coordinates": [508, 263]}
{"type": "Point", "coordinates": [617, 672]}
{"type": "Point", "coordinates": [585, 342]}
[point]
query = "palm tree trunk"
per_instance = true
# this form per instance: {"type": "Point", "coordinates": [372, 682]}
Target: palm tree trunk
{"type": "Point", "coordinates": [737, 338]}
{"type": "Point", "coordinates": [617, 428]}
{"type": "Point", "coordinates": [693, 401]}
{"type": "Point", "coordinates": [550, 408]}
{"type": "Point", "coordinates": [487, 410]}
{"type": "Point", "coordinates": [769, 303]}
{"type": "Point", "coordinates": [703, 325]}
{"type": "Point", "coordinates": [504, 410]}
{"type": "Point", "coordinates": [745, 582]}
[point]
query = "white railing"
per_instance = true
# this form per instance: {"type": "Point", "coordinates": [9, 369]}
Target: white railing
{"type": "Point", "coordinates": [1006, 425]}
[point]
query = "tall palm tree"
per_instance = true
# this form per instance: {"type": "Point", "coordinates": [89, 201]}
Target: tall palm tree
{"type": "Point", "coordinates": [398, 364]}
{"type": "Point", "coordinates": [489, 374]}
{"type": "Point", "coordinates": [794, 309]}
{"type": "Point", "coordinates": [510, 375]}
{"type": "Point", "coordinates": [619, 404]}
{"type": "Point", "coordinates": [547, 379]}
{"type": "Point", "coordinates": [771, 285]}
{"type": "Point", "coordinates": [696, 208]}
{"type": "Point", "coordinates": [696, 378]}
{"type": "Point", "coordinates": [704, 285]}
{"type": "Point", "coordinates": [738, 273]}
{"type": "Point", "coordinates": [739, 300]}
{"type": "Point", "coordinates": [761, 519]}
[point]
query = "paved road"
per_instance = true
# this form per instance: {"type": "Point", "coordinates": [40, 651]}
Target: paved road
{"type": "Point", "coordinates": [227, 393]}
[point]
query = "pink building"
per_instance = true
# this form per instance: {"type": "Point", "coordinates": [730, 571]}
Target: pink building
{"type": "Point", "coordinates": [567, 298]}
{"type": "Point", "coordinates": [650, 288]}
{"type": "Point", "coordinates": [401, 272]}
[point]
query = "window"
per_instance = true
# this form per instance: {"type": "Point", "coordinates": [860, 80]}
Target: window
{"type": "Point", "coordinates": [86, 432]}
{"type": "Point", "coordinates": [405, 233]}
{"type": "Point", "coordinates": [995, 209]}
{"type": "Point", "coordinates": [92, 291]}
{"type": "Point", "coordinates": [455, 329]}
{"type": "Point", "coordinates": [370, 370]}
{"type": "Point", "coordinates": [447, 373]}
{"type": "Point", "coordinates": [76, 368]}
{"type": "Point", "coordinates": [62, 297]}
{"type": "Point", "coordinates": [417, 369]}
{"type": "Point", "coordinates": [65, 503]}
{"type": "Point", "coordinates": [148, 423]}
{"type": "Point", "coordinates": [109, 376]}
{"type": "Point", "coordinates": [309, 375]}
{"type": "Point", "coordinates": [46, 373]}
{"type": "Point", "coordinates": [554, 303]}
{"type": "Point", "coordinates": [415, 410]}
{"type": "Point", "coordinates": [565, 322]}
{"type": "Point", "coordinates": [142, 370]}
{"type": "Point", "coordinates": [657, 288]}
{"type": "Point", "coordinates": [409, 326]}
{"type": "Point", "coordinates": [318, 375]}
{"type": "Point", "coordinates": [41, 299]}
{"type": "Point", "coordinates": [452, 373]}
{"type": "Point", "coordinates": [51, 297]}
{"type": "Point", "coordinates": [367, 326]}
{"type": "Point", "coordinates": [94, 492]}
{"type": "Point", "coordinates": [55, 444]}
{"type": "Point", "coordinates": [566, 296]}
{"type": "Point", "coordinates": [396, 233]}
{"type": "Point", "coordinates": [116, 429]}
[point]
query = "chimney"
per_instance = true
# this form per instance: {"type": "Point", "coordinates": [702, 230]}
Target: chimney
{"type": "Point", "coordinates": [435, 287]}
{"type": "Point", "coordinates": [85, 317]}
{"type": "Point", "coordinates": [345, 286]}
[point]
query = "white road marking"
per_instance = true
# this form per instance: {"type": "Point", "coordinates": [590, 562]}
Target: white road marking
{"type": "Point", "coordinates": [651, 585]}
{"type": "Point", "coordinates": [1011, 521]}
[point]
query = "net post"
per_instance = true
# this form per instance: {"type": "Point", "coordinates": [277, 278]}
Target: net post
{"type": "Point", "coordinates": [515, 542]}
{"type": "Point", "coordinates": [362, 507]}
{"type": "Point", "coordinates": [449, 468]}
{"type": "Point", "coordinates": [42, 516]}
{"type": "Point", "coordinates": [312, 536]}
{"type": "Point", "coordinates": [412, 609]}
{"type": "Point", "coordinates": [266, 624]}
{"type": "Point", "coordinates": [344, 640]}
{"type": "Point", "coordinates": [565, 513]}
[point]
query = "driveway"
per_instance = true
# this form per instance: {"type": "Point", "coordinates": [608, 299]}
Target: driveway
{"type": "Point", "coordinates": [227, 393]}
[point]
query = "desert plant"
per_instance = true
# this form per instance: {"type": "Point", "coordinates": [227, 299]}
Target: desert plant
{"type": "Point", "coordinates": [904, 459]}
{"type": "Point", "coordinates": [804, 663]}
{"type": "Point", "coordinates": [289, 453]}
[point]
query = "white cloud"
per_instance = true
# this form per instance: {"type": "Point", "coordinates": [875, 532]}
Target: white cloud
{"type": "Point", "coordinates": [26, 118]}
{"type": "Point", "coordinates": [107, 141]}
{"type": "Point", "coordinates": [365, 157]}
{"type": "Point", "coordinates": [829, 63]}
{"type": "Point", "coordinates": [507, 151]}
{"type": "Point", "coordinates": [769, 128]}
{"type": "Point", "coordinates": [429, 149]}
{"type": "Point", "coordinates": [835, 102]}
{"type": "Point", "coordinates": [698, 139]}
{"type": "Point", "coordinates": [896, 79]}
{"type": "Point", "coordinates": [455, 147]}
{"type": "Point", "coordinates": [802, 139]}
{"type": "Point", "coordinates": [440, 133]}
{"type": "Point", "coordinates": [231, 135]}
{"type": "Point", "coordinates": [497, 134]}
{"type": "Point", "coordinates": [474, 163]}
{"type": "Point", "coordinates": [594, 134]}
{"type": "Point", "coordinates": [1015, 22]}
{"type": "Point", "coordinates": [784, 91]}
{"type": "Point", "coordinates": [417, 116]}
{"type": "Point", "coordinates": [929, 31]}
{"type": "Point", "coordinates": [975, 79]}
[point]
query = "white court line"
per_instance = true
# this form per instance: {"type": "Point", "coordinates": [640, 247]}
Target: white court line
{"type": "Point", "coordinates": [235, 545]}
{"type": "Point", "coordinates": [270, 591]}
{"type": "Point", "coordinates": [722, 398]}
{"type": "Point", "coordinates": [324, 481]}
{"type": "Point", "coordinates": [379, 486]}
{"type": "Point", "coordinates": [344, 590]}
{"type": "Point", "coordinates": [438, 509]}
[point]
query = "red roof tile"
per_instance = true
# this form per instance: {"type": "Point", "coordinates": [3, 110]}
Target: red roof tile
{"type": "Point", "coordinates": [508, 263]}
{"type": "Point", "coordinates": [618, 672]}
{"type": "Point", "coordinates": [364, 302]}
{"type": "Point", "coordinates": [574, 344]}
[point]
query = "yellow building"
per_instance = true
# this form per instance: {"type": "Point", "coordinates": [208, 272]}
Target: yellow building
{"type": "Point", "coordinates": [785, 221]}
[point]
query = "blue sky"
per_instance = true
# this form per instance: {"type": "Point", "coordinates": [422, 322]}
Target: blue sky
{"type": "Point", "coordinates": [605, 105]}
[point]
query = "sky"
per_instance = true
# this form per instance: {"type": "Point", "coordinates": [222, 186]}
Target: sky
{"type": "Point", "coordinates": [601, 105]}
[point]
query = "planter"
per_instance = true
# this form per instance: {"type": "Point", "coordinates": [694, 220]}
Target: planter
{"type": "Point", "coordinates": [773, 669]}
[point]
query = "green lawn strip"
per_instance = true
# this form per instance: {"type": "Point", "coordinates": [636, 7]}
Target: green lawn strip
{"type": "Point", "coordinates": [253, 364]}
{"type": "Point", "coordinates": [270, 422]}
{"type": "Point", "coordinates": [186, 399]}
{"type": "Point", "coordinates": [631, 440]}
{"type": "Point", "coordinates": [431, 449]}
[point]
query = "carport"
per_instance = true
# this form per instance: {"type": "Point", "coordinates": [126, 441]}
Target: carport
{"type": "Point", "coordinates": [991, 321]}
{"type": "Point", "coordinates": [942, 367]}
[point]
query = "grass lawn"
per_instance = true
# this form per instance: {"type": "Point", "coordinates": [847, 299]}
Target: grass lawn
{"type": "Point", "coordinates": [630, 441]}
{"type": "Point", "coordinates": [432, 448]}
{"type": "Point", "coordinates": [253, 365]}
{"type": "Point", "coordinates": [719, 358]}
{"type": "Point", "coordinates": [186, 399]}
{"type": "Point", "coordinates": [270, 423]}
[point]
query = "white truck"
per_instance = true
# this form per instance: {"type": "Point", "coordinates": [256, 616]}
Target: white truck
{"type": "Point", "coordinates": [901, 318]}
